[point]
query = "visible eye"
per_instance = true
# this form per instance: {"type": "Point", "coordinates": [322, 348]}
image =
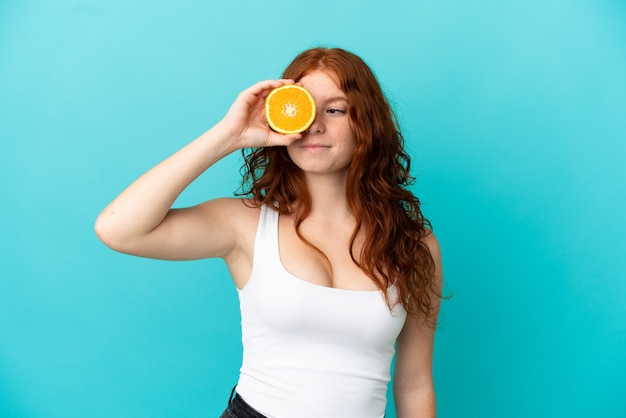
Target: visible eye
{"type": "Point", "coordinates": [335, 111]}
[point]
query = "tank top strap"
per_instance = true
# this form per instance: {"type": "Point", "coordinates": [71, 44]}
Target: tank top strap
{"type": "Point", "coordinates": [266, 250]}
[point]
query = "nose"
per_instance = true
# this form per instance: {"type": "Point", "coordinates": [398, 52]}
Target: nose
{"type": "Point", "coordinates": [317, 127]}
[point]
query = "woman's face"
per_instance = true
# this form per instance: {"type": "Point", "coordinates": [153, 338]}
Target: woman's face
{"type": "Point", "coordinates": [327, 147]}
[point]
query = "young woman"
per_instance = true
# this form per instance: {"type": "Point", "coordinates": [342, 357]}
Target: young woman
{"type": "Point", "coordinates": [335, 266]}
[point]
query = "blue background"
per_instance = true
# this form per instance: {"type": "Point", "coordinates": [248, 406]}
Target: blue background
{"type": "Point", "coordinates": [514, 113]}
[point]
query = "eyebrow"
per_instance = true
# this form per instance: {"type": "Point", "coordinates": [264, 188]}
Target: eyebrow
{"type": "Point", "coordinates": [336, 99]}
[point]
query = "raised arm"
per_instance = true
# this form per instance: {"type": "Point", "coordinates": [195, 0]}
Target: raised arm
{"type": "Point", "coordinates": [140, 220]}
{"type": "Point", "coordinates": [413, 387]}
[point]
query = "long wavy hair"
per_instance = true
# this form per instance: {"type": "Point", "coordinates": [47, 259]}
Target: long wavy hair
{"type": "Point", "coordinates": [394, 252]}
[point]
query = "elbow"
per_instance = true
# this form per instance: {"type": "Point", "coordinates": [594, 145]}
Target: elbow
{"type": "Point", "coordinates": [106, 232]}
{"type": "Point", "coordinates": [116, 235]}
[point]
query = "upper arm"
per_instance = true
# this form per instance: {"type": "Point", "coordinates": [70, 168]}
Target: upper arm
{"type": "Point", "coordinates": [212, 229]}
{"type": "Point", "coordinates": [414, 347]}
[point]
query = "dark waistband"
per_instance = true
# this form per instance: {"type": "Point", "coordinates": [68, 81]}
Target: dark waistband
{"type": "Point", "coordinates": [241, 408]}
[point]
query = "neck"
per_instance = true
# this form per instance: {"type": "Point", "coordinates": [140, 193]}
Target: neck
{"type": "Point", "coordinates": [328, 197]}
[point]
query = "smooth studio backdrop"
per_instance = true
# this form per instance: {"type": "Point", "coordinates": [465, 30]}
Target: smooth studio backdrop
{"type": "Point", "coordinates": [514, 113]}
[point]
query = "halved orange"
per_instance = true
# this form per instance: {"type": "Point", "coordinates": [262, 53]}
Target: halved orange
{"type": "Point", "coordinates": [289, 109]}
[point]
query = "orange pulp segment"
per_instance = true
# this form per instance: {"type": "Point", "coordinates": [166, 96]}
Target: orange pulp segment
{"type": "Point", "coordinates": [289, 109]}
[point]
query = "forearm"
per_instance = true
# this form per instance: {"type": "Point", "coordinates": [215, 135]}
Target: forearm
{"type": "Point", "coordinates": [144, 204]}
{"type": "Point", "coordinates": [139, 220]}
{"type": "Point", "coordinates": [415, 403]}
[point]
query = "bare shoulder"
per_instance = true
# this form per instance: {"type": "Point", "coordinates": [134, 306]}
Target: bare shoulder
{"type": "Point", "coordinates": [238, 214]}
{"type": "Point", "coordinates": [432, 243]}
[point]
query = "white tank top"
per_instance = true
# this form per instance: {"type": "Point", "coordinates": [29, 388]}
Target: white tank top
{"type": "Point", "coordinates": [311, 351]}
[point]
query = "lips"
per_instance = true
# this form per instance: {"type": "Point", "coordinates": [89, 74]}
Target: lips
{"type": "Point", "coordinates": [314, 147]}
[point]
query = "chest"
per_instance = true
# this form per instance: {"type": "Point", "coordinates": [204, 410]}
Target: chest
{"type": "Point", "coordinates": [330, 263]}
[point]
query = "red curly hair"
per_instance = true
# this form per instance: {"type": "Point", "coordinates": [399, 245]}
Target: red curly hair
{"type": "Point", "coordinates": [394, 252]}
